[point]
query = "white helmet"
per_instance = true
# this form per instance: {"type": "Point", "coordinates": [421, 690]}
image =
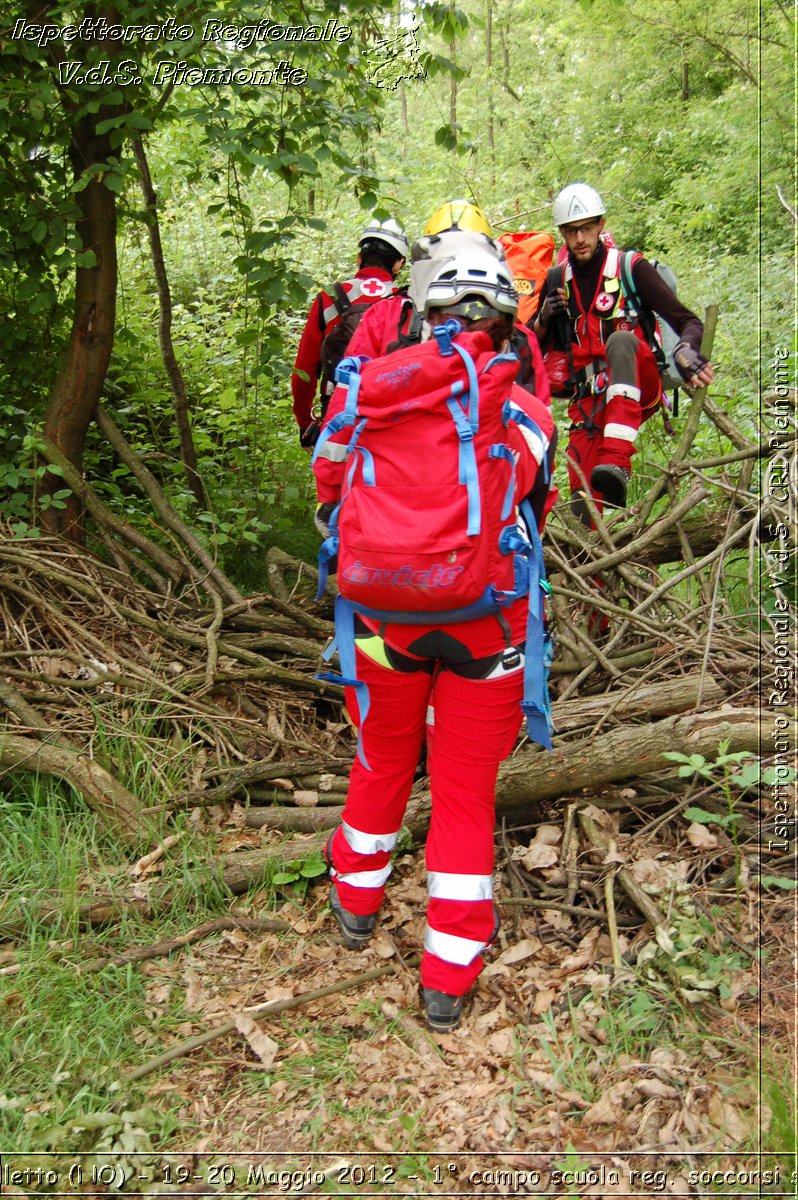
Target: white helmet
{"type": "Point", "coordinates": [390, 232]}
{"type": "Point", "coordinates": [577, 202]}
{"type": "Point", "coordinates": [431, 252]}
{"type": "Point", "coordinates": [470, 275]}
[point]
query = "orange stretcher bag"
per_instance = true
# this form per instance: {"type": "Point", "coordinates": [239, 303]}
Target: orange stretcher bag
{"type": "Point", "coordinates": [529, 256]}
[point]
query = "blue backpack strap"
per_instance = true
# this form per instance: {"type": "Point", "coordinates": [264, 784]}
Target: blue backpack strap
{"type": "Point", "coordinates": [344, 644]}
{"type": "Point", "coordinates": [467, 465]}
{"type": "Point", "coordinates": [501, 451]}
{"type": "Point", "coordinates": [328, 552]}
{"type": "Point", "coordinates": [347, 372]}
{"type": "Point", "coordinates": [536, 705]}
{"type": "Point", "coordinates": [504, 356]}
{"type": "Point", "coordinates": [466, 420]}
{"type": "Point", "coordinates": [444, 335]}
{"type": "Point", "coordinates": [473, 387]}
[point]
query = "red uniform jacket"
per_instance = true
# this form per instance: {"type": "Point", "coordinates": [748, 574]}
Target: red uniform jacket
{"type": "Point", "coordinates": [362, 288]}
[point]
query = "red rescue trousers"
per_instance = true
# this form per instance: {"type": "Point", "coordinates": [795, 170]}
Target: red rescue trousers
{"type": "Point", "coordinates": [607, 420]}
{"type": "Point", "coordinates": [476, 722]}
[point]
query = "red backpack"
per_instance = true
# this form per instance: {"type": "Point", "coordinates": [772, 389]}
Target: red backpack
{"type": "Point", "coordinates": [427, 527]}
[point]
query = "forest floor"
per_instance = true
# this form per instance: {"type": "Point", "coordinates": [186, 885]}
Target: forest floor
{"type": "Point", "coordinates": [633, 1032]}
{"type": "Point", "coordinates": [670, 1075]}
{"type": "Point", "coordinates": [561, 1065]}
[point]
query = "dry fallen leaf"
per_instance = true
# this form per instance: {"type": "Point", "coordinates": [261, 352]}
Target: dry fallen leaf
{"type": "Point", "coordinates": [543, 1000]}
{"type": "Point", "coordinates": [520, 951]}
{"type": "Point", "coordinates": [601, 816]}
{"type": "Point", "coordinates": [538, 854]}
{"type": "Point", "coordinates": [557, 919]}
{"type": "Point", "coordinates": [656, 1088]}
{"type": "Point", "coordinates": [501, 1043]}
{"type": "Point", "coordinates": [383, 946]}
{"type": "Point", "coordinates": [264, 1046]}
{"type": "Point", "coordinates": [609, 1108]}
{"type": "Point", "coordinates": [549, 835]}
{"type": "Point", "coordinates": [700, 837]}
{"type": "Point", "coordinates": [727, 1118]}
{"type": "Point", "coordinates": [196, 998]}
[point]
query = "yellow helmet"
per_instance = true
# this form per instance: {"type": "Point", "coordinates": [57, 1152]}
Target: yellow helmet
{"type": "Point", "coordinates": [457, 214]}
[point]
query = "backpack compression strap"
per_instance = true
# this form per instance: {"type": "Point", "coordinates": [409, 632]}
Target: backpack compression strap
{"type": "Point", "coordinates": [344, 644]}
{"type": "Point", "coordinates": [341, 300]}
{"type": "Point", "coordinates": [465, 418]}
{"type": "Point", "coordinates": [347, 372]}
{"type": "Point", "coordinates": [536, 705]}
{"type": "Point", "coordinates": [644, 314]}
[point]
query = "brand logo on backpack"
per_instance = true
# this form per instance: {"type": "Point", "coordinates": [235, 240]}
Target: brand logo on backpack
{"type": "Point", "coordinates": [524, 287]}
{"type": "Point", "coordinates": [400, 376]}
{"type": "Point", "coordinates": [406, 576]}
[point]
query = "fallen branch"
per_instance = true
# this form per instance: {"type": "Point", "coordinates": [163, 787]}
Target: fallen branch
{"type": "Point", "coordinates": [623, 753]}
{"type": "Point", "coordinates": [641, 900]}
{"type": "Point", "coordinates": [272, 1008]}
{"type": "Point", "coordinates": [117, 807]}
{"type": "Point", "coordinates": [164, 948]}
{"type": "Point", "coordinates": [164, 509]}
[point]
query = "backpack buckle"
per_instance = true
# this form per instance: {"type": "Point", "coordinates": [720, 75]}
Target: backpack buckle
{"type": "Point", "coordinates": [444, 334]}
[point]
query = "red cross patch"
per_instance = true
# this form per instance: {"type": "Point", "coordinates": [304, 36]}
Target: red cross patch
{"type": "Point", "coordinates": [604, 302]}
{"type": "Point", "coordinates": [373, 287]}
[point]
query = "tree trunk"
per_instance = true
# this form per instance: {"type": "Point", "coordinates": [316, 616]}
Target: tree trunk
{"type": "Point", "coordinates": [627, 752]}
{"type": "Point", "coordinates": [453, 90]}
{"type": "Point", "coordinates": [176, 381]}
{"type": "Point", "coordinates": [80, 380]}
{"type": "Point", "coordinates": [489, 66]}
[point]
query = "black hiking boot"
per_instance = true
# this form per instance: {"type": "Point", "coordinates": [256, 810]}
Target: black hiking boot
{"type": "Point", "coordinates": [355, 930]}
{"type": "Point", "coordinates": [612, 482]}
{"type": "Point", "coordinates": [443, 1011]}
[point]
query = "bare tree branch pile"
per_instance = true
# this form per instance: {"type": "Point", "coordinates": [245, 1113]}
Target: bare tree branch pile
{"type": "Point", "coordinates": [650, 655]}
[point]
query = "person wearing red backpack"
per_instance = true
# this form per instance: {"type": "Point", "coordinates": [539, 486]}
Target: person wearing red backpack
{"type": "Point", "coordinates": [456, 227]}
{"type": "Point", "coordinates": [596, 352]}
{"type": "Point", "coordinates": [382, 253]}
{"type": "Point", "coordinates": [453, 228]}
{"type": "Point", "coordinates": [460, 443]}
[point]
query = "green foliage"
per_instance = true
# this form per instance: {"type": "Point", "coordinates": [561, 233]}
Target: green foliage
{"type": "Point", "coordinates": [300, 872]}
{"type": "Point", "coordinates": [261, 187]}
{"type": "Point", "coordinates": [686, 957]}
{"type": "Point", "coordinates": [259, 144]}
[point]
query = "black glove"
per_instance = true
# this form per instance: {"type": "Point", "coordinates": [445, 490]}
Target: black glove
{"type": "Point", "coordinates": [322, 517]}
{"type": "Point", "coordinates": [308, 437]}
{"type": "Point", "coordinates": [552, 307]}
{"type": "Point", "coordinates": [688, 361]}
